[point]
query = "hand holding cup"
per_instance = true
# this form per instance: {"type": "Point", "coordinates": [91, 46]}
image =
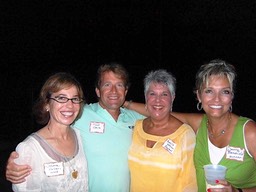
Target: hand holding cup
{"type": "Point", "coordinates": [214, 173]}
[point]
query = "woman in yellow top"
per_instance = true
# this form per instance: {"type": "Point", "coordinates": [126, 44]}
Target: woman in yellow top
{"type": "Point", "coordinates": [222, 136]}
{"type": "Point", "coordinates": [161, 154]}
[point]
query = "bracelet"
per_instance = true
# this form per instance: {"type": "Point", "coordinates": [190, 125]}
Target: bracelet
{"type": "Point", "coordinates": [240, 190]}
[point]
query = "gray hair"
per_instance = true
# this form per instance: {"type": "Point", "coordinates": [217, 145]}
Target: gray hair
{"type": "Point", "coordinates": [215, 67]}
{"type": "Point", "coordinates": [160, 76]}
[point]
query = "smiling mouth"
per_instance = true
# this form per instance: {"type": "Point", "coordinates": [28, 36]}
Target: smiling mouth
{"type": "Point", "coordinates": [67, 114]}
{"type": "Point", "coordinates": [113, 97]}
{"type": "Point", "coordinates": [157, 106]}
{"type": "Point", "coordinates": [215, 106]}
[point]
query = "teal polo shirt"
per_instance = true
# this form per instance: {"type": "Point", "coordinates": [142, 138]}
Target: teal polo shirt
{"type": "Point", "coordinates": [106, 143]}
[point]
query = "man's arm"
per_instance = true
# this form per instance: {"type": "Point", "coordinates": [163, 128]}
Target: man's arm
{"type": "Point", "coordinates": [192, 119]}
{"type": "Point", "coordinates": [138, 107]}
{"type": "Point", "coordinates": [16, 173]}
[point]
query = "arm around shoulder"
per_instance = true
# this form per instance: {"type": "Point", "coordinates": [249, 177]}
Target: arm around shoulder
{"type": "Point", "coordinates": [138, 107]}
{"type": "Point", "coordinates": [16, 173]}
{"type": "Point", "coordinates": [192, 119]}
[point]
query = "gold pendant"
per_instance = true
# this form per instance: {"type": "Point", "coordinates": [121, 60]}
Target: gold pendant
{"type": "Point", "coordinates": [74, 174]}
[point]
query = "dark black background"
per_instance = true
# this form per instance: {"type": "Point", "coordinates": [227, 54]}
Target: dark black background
{"type": "Point", "coordinates": [39, 38]}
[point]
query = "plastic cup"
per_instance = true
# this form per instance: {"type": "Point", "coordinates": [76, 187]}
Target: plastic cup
{"type": "Point", "coordinates": [213, 173]}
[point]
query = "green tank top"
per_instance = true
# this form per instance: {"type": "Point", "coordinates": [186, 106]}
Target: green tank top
{"type": "Point", "coordinates": [241, 168]}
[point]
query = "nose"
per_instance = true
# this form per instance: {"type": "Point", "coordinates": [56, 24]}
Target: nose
{"type": "Point", "coordinates": [217, 96]}
{"type": "Point", "coordinates": [69, 103]}
{"type": "Point", "coordinates": [158, 97]}
{"type": "Point", "coordinates": [113, 88]}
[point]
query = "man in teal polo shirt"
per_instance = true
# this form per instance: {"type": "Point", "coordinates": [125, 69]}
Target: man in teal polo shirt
{"type": "Point", "coordinates": [106, 130]}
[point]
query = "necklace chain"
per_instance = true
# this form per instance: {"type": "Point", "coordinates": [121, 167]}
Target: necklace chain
{"type": "Point", "coordinates": [223, 131]}
{"type": "Point", "coordinates": [213, 136]}
{"type": "Point", "coordinates": [74, 173]}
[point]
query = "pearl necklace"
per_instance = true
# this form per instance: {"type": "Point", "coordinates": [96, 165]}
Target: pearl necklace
{"type": "Point", "coordinates": [221, 132]}
{"type": "Point", "coordinates": [74, 173]}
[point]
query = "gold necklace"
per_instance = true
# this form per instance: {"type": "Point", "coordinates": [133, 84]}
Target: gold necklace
{"type": "Point", "coordinates": [221, 132]}
{"type": "Point", "coordinates": [74, 173]}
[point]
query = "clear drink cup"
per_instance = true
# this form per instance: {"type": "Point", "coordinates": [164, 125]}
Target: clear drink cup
{"type": "Point", "coordinates": [213, 173]}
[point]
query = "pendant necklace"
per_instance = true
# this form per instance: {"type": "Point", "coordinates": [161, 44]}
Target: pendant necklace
{"type": "Point", "coordinates": [215, 136]}
{"type": "Point", "coordinates": [221, 132]}
{"type": "Point", "coordinates": [74, 172]}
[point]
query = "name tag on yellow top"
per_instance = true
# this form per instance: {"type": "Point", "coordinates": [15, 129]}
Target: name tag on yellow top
{"type": "Point", "coordinates": [169, 145]}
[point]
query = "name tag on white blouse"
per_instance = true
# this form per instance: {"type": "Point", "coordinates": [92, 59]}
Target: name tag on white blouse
{"type": "Point", "coordinates": [169, 145]}
{"type": "Point", "coordinates": [97, 127]}
{"type": "Point", "coordinates": [54, 169]}
{"type": "Point", "coordinates": [235, 153]}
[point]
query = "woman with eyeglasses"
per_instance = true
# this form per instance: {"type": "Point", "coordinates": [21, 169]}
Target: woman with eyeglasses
{"type": "Point", "coordinates": [55, 152]}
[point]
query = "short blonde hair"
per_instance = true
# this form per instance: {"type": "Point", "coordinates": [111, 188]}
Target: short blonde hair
{"type": "Point", "coordinates": [215, 67]}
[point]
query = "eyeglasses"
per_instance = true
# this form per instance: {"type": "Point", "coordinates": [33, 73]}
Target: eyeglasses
{"type": "Point", "coordinates": [75, 100]}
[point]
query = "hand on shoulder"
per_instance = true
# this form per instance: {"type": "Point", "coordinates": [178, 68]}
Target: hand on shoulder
{"type": "Point", "coordinates": [16, 173]}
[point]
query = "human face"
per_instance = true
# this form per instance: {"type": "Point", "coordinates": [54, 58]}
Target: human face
{"type": "Point", "coordinates": [111, 92]}
{"type": "Point", "coordinates": [158, 100]}
{"type": "Point", "coordinates": [217, 97]}
{"type": "Point", "coordinates": [64, 113]}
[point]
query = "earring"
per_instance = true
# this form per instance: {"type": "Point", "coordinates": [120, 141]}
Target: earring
{"type": "Point", "coordinates": [47, 109]}
{"type": "Point", "coordinates": [199, 106]}
{"type": "Point", "coordinates": [230, 108]}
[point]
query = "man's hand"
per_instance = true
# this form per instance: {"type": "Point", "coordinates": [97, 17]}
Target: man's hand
{"type": "Point", "coordinates": [16, 173]}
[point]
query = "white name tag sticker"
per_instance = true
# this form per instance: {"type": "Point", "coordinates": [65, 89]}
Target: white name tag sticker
{"type": "Point", "coordinates": [169, 145]}
{"type": "Point", "coordinates": [54, 169]}
{"type": "Point", "coordinates": [235, 153]}
{"type": "Point", "coordinates": [97, 127]}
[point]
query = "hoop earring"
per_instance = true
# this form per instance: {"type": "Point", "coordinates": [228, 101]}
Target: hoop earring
{"type": "Point", "coordinates": [230, 108]}
{"type": "Point", "coordinates": [198, 106]}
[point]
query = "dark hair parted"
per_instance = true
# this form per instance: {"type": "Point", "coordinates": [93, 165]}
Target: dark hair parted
{"type": "Point", "coordinates": [117, 69]}
{"type": "Point", "coordinates": [53, 84]}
